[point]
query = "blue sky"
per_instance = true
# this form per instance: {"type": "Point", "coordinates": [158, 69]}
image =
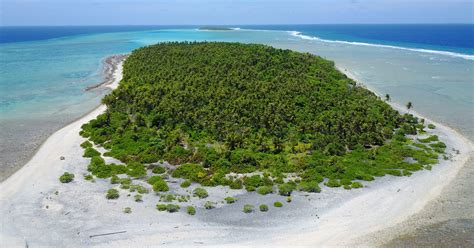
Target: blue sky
{"type": "Point", "coordinates": [198, 12]}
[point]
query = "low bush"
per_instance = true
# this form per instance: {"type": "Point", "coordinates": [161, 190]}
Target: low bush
{"type": "Point", "coordinates": [333, 183]}
{"type": "Point", "coordinates": [432, 138]}
{"type": "Point", "coordinates": [158, 170]}
{"type": "Point", "coordinates": [86, 144]}
{"type": "Point", "coordinates": [66, 177]}
{"type": "Point", "coordinates": [185, 184]}
{"type": "Point", "coordinates": [172, 208]}
{"type": "Point", "coordinates": [138, 198]}
{"type": "Point", "coordinates": [161, 207]}
{"type": "Point", "coordinates": [247, 208]}
{"type": "Point", "coordinates": [200, 192]}
{"type": "Point", "coordinates": [278, 204]}
{"type": "Point", "coordinates": [90, 152]}
{"type": "Point", "coordinates": [230, 200]}
{"type": "Point", "coordinates": [88, 177]}
{"type": "Point", "coordinates": [236, 184]}
{"type": "Point", "coordinates": [209, 205]}
{"type": "Point", "coordinates": [264, 190]}
{"type": "Point", "coordinates": [285, 189]}
{"type": "Point", "coordinates": [140, 189]}
{"type": "Point", "coordinates": [309, 186]}
{"type": "Point", "coordinates": [167, 198]}
{"type": "Point", "coordinates": [431, 126]}
{"type": "Point", "coordinates": [127, 210]}
{"type": "Point", "coordinates": [114, 179]}
{"type": "Point", "coordinates": [193, 172]}
{"type": "Point", "coordinates": [263, 208]}
{"type": "Point", "coordinates": [356, 185]}
{"type": "Point", "coordinates": [135, 169]}
{"type": "Point", "coordinates": [253, 182]}
{"type": "Point", "coordinates": [161, 186]}
{"type": "Point", "coordinates": [288, 199]}
{"type": "Point", "coordinates": [112, 194]}
{"type": "Point", "coordinates": [191, 210]}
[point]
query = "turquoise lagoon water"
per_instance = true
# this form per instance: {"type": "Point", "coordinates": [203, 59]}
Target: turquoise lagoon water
{"type": "Point", "coordinates": [42, 82]}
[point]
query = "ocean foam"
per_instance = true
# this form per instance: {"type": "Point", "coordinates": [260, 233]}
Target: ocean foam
{"type": "Point", "coordinates": [445, 53]}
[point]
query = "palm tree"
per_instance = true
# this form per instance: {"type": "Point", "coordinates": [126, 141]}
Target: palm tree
{"type": "Point", "coordinates": [409, 105]}
{"type": "Point", "coordinates": [387, 97]}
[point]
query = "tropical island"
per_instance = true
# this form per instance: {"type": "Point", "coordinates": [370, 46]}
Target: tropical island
{"type": "Point", "coordinates": [248, 116]}
{"type": "Point", "coordinates": [215, 28]}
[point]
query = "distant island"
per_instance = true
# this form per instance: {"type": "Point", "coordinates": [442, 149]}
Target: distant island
{"type": "Point", "coordinates": [248, 116]}
{"type": "Point", "coordinates": [215, 28]}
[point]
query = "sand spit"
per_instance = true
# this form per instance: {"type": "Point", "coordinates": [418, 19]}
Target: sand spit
{"type": "Point", "coordinates": [38, 210]}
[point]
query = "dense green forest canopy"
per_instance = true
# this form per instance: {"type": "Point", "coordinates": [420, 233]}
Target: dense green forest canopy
{"type": "Point", "coordinates": [231, 107]}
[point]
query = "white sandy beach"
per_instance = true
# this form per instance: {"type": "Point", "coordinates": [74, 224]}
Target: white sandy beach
{"type": "Point", "coordinates": [34, 214]}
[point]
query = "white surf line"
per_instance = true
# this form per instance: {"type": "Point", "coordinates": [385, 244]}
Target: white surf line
{"type": "Point", "coordinates": [421, 50]}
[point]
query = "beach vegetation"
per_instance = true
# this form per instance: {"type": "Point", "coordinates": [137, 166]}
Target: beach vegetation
{"type": "Point", "coordinates": [431, 126]}
{"type": "Point", "coordinates": [215, 108]}
{"type": "Point", "coordinates": [263, 208]}
{"type": "Point", "coordinates": [278, 204]}
{"type": "Point", "coordinates": [158, 170]}
{"type": "Point", "coordinates": [138, 198]}
{"type": "Point", "coordinates": [86, 144]}
{"type": "Point", "coordinates": [112, 194]}
{"type": "Point", "coordinates": [127, 210]}
{"type": "Point", "coordinates": [230, 199]}
{"type": "Point", "coordinates": [248, 208]}
{"type": "Point", "coordinates": [88, 177]}
{"type": "Point", "coordinates": [66, 177]}
{"type": "Point", "coordinates": [200, 193]}
{"type": "Point", "coordinates": [185, 184]}
{"type": "Point", "coordinates": [264, 190]}
{"type": "Point", "coordinates": [191, 210]}
{"type": "Point", "coordinates": [209, 205]}
{"type": "Point", "coordinates": [90, 152]}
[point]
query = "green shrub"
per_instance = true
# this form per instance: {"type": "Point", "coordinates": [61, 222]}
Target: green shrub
{"type": "Point", "coordinates": [263, 208]}
{"type": "Point", "coordinates": [135, 169]}
{"type": "Point", "coordinates": [253, 182]}
{"type": "Point", "coordinates": [191, 210]}
{"type": "Point", "coordinates": [66, 177]}
{"type": "Point", "coordinates": [333, 183]}
{"type": "Point", "coordinates": [193, 172]}
{"type": "Point", "coordinates": [161, 207]}
{"type": "Point", "coordinates": [140, 189]}
{"type": "Point", "coordinates": [309, 186]}
{"type": "Point", "coordinates": [236, 184]}
{"type": "Point", "coordinates": [432, 138]}
{"type": "Point", "coordinates": [138, 198]}
{"type": "Point", "coordinates": [356, 185]}
{"type": "Point", "coordinates": [200, 192]}
{"type": "Point", "coordinates": [431, 126]}
{"type": "Point", "coordinates": [263, 190]}
{"type": "Point", "coordinates": [185, 184]}
{"type": "Point", "coordinates": [230, 200]}
{"type": "Point", "coordinates": [86, 144]}
{"type": "Point", "coordinates": [88, 177]}
{"type": "Point", "coordinates": [172, 208]}
{"type": "Point", "coordinates": [158, 170]}
{"type": "Point", "coordinates": [114, 179]}
{"type": "Point", "coordinates": [248, 208]}
{"type": "Point", "coordinates": [90, 152]}
{"type": "Point", "coordinates": [278, 204]}
{"type": "Point", "coordinates": [127, 210]}
{"type": "Point", "coordinates": [112, 194]}
{"type": "Point", "coordinates": [288, 199]}
{"type": "Point", "coordinates": [161, 186]}
{"type": "Point", "coordinates": [154, 179]}
{"type": "Point", "coordinates": [167, 198]}
{"type": "Point", "coordinates": [285, 189]}
{"type": "Point", "coordinates": [209, 205]}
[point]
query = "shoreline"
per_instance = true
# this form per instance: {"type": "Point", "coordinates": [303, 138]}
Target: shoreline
{"type": "Point", "coordinates": [109, 66]}
{"type": "Point", "coordinates": [340, 224]}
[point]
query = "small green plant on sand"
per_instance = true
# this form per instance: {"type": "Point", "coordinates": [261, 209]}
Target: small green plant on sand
{"type": "Point", "coordinates": [66, 177]}
{"type": "Point", "coordinates": [263, 208]}
{"type": "Point", "coordinates": [159, 170]}
{"type": "Point", "coordinates": [172, 208]}
{"type": "Point", "coordinates": [247, 208]}
{"type": "Point", "coordinates": [191, 210]}
{"type": "Point", "coordinates": [185, 184]}
{"type": "Point", "coordinates": [138, 198]}
{"type": "Point", "coordinates": [263, 190]}
{"type": "Point", "coordinates": [431, 126]}
{"type": "Point", "coordinates": [112, 194]}
{"type": "Point", "coordinates": [200, 192]}
{"type": "Point", "coordinates": [278, 204]}
{"type": "Point", "coordinates": [285, 189]}
{"type": "Point", "coordinates": [230, 200]}
{"type": "Point", "coordinates": [86, 144]}
{"type": "Point", "coordinates": [90, 152]}
{"type": "Point", "coordinates": [127, 210]}
{"type": "Point", "coordinates": [209, 205]}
